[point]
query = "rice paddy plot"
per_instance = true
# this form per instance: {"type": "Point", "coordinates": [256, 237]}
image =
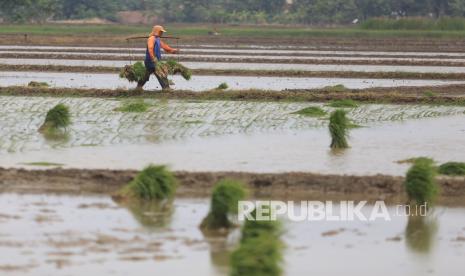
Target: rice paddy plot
{"type": "Point", "coordinates": [49, 229]}
{"type": "Point", "coordinates": [203, 83]}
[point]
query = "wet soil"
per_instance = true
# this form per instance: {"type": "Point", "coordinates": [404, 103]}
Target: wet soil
{"type": "Point", "coordinates": [451, 94]}
{"type": "Point", "coordinates": [199, 184]}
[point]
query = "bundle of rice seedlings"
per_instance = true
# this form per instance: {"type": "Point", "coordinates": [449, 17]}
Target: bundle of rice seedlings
{"type": "Point", "coordinates": [224, 200]}
{"type": "Point", "coordinates": [452, 168]}
{"type": "Point", "coordinates": [133, 73]}
{"type": "Point", "coordinates": [133, 106]}
{"type": "Point", "coordinates": [338, 129]}
{"type": "Point", "coordinates": [420, 232]}
{"type": "Point", "coordinates": [420, 182]}
{"type": "Point", "coordinates": [335, 88]}
{"type": "Point", "coordinates": [152, 183]}
{"type": "Point", "coordinates": [57, 118]}
{"type": "Point", "coordinates": [175, 67]}
{"type": "Point", "coordinates": [38, 84]}
{"type": "Point", "coordinates": [260, 249]}
{"type": "Point", "coordinates": [222, 86]}
{"type": "Point", "coordinates": [312, 111]}
{"type": "Point", "coordinates": [345, 103]}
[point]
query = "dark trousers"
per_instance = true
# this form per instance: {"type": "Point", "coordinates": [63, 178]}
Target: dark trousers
{"type": "Point", "coordinates": [165, 84]}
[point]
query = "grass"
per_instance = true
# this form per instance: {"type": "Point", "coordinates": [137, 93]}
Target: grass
{"type": "Point", "coordinates": [338, 129]}
{"type": "Point", "coordinates": [260, 249]}
{"type": "Point", "coordinates": [366, 30]}
{"type": "Point", "coordinates": [420, 183]}
{"type": "Point", "coordinates": [415, 23]}
{"type": "Point", "coordinates": [38, 84]}
{"type": "Point", "coordinates": [345, 103]}
{"type": "Point", "coordinates": [152, 183]}
{"type": "Point", "coordinates": [452, 169]}
{"type": "Point", "coordinates": [223, 86]}
{"type": "Point", "coordinates": [43, 164]}
{"type": "Point", "coordinates": [430, 94]}
{"type": "Point", "coordinates": [336, 88]}
{"type": "Point", "coordinates": [225, 197]}
{"type": "Point", "coordinates": [415, 159]}
{"type": "Point", "coordinates": [312, 111]}
{"type": "Point", "coordinates": [137, 106]}
{"type": "Point", "coordinates": [57, 118]}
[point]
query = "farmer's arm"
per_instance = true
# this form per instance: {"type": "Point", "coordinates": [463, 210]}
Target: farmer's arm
{"type": "Point", "coordinates": [150, 46]}
{"type": "Point", "coordinates": [167, 48]}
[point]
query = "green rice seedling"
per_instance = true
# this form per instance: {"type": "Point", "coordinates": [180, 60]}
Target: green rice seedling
{"type": "Point", "coordinates": [415, 159]}
{"type": "Point", "coordinates": [335, 88]}
{"type": "Point", "coordinates": [133, 73]}
{"type": "Point", "coordinates": [134, 106]}
{"type": "Point", "coordinates": [258, 256]}
{"type": "Point", "coordinates": [223, 86]}
{"type": "Point", "coordinates": [345, 103]}
{"type": "Point", "coordinates": [430, 94]}
{"type": "Point", "coordinates": [419, 233]}
{"type": "Point", "coordinates": [225, 197]}
{"type": "Point", "coordinates": [38, 84]}
{"type": "Point", "coordinates": [57, 118]}
{"type": "Point", "coordinates": [312, 111]}
{"type": "Point", "coordinates": [452, 168]}
{"type": "Point", "coordinates": [260, 249]}
{"type": "Point", "coordinates": [152, 183]}
{"type": "Point", "coordinates": [339, 129]}
{"type": "Point", "coordinates": [175, 67]}
{"type": "Point", "coordinates": [420, 182]}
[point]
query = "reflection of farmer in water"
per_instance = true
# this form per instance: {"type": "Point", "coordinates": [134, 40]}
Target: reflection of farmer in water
{"type": "Point", "coordinates": [153, 55]}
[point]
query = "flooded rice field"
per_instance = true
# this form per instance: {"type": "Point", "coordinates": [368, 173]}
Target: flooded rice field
{"type": "Point", "coordinates": [76, 235]}
{"type": "Point", "coordinates": [228, 136]}
{"type": "Point", "coordinates": [203, 83]}
{"type": "Point", "coordinates": [248, 66]}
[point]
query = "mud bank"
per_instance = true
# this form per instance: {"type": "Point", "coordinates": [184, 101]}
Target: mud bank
{"type": "Point", "coordinates": [284, 185]}
{"type": "Point", "coordinates": [239, 72]}
{"type": "Point", "coordinates": [448, 95]}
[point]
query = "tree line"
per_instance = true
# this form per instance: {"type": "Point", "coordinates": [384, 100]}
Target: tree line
{"type": "Point", "coordinates": [231, 11]}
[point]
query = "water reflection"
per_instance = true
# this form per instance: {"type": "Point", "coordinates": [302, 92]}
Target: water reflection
{"type": "Point", "coordinates": [152, 215]}
{"type": "Point", "coordinates": [420, 233]}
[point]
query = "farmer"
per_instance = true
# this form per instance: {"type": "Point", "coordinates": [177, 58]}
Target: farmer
{"type": "Point", "coordinates": [153, 55]}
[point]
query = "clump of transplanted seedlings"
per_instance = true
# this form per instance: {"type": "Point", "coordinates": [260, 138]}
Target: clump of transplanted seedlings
{"type": "Point", "coordinates": [415, 159]}
{"type": "Point", "coordinates": [452, 169]}
{"type": "Point", "coordinates": [56, 121]}
{"type": "Point", "coordinates": [336, 88]}
{"type": "Point", "coordinates": [137, 106]}
{"type": "Point", "coordinates": [225, 197]}
{"type": "Point", "coordinates": [222, 86]}
{"type": "Point", "coordinates": [152, 183]}
{"type": "Point", "coordinates": [339, 129]}
{"type": "Point", "coordinates": [38, 84]}
{"type": "Point", "coordinates": [312, 111]}
{"type": "Point", "coordinates": [345, 103]}
{"type": "Point", "coordinates": [260, 251]}
{"type": "Point", "coordinates": [420, 182]}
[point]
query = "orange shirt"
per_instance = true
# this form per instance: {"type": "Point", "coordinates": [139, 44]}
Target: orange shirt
{"type": "Point", "coordinates": [164, 46]}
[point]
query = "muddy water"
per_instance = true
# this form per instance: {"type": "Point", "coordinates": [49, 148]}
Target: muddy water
{"type": "Point", "coordinates": [228, 136]}
{"type": "Point", "coordinates": [92, 235]}
{"type": "Point", "coordinates": [248, 66]}
{"type": "Point", "coordinates": [202, 83]}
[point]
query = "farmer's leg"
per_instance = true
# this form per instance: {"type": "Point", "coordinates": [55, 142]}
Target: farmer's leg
{"type": "Point", "coordinates": [146, 78]}
{"type": "Point", "coordinates": [164, 82]}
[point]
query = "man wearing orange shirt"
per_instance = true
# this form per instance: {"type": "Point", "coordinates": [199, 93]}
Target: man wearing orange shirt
{"type": "Point", "coordinates": [153, 55]}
